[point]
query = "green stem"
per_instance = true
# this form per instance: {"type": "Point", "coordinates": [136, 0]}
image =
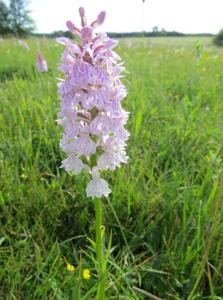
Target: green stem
{"type": "Point", "coordinates": [100, 250]}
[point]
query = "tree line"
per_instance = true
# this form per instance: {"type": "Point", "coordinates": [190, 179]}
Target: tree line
{"type": "Point", "coordinates": [126, 34]}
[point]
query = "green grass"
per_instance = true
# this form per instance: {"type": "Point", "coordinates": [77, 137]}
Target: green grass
{"type": "Point", "coordinates": [165, 211]}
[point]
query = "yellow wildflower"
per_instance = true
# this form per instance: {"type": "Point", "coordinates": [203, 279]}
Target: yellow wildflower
{"type": "Point", "coordinates": [86, 274]}
{"type": "Point", "coordinates": [70, 267]}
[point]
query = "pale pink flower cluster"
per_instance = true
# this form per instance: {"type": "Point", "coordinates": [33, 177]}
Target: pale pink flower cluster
{"type": "Point", "coordinates": [24, 44]}
{"type": "Point", "coordinates": [41, 62]}
{"type": "Point", "coordinates": [94, 136]}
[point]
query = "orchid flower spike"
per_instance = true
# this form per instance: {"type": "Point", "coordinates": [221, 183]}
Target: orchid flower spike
{"type": "Point", "coordinates": [91, 93]}
{"type": "Point", "coordinates": [41, 62]}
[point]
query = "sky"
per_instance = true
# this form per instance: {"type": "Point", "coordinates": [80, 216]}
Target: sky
{"type": "Point", "coordinates": [187, 16]}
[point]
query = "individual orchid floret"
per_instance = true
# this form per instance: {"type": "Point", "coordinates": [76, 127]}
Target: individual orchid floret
{"type": "Point", "coordinates": [91, 113]}
{"type": "Point", "coordinates": [41, 62]}
{"type": "Point", "coordinates": [97, 187]}
{"type": "Point", "coordinates": [73, 164]}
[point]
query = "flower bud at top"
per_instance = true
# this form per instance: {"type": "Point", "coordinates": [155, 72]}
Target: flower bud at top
{"type": "Point", "coordinates": [101, 18]}
{"type": "Point", "coordinates": [83, 17]}
{"type": "Point", "coordinates": [86, 34]}
{"type": "Point", "coordinates": [72, 27]}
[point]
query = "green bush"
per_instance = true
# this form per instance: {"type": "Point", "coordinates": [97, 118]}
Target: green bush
{"type": "Point", "coordinates": [218, 39]}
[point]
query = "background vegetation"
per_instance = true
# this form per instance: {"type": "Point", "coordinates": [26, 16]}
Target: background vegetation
{"type": "Point", "coordinates": [218, 39]}
{"type": "Point", "coordinates": [165, 211]}
{"type": "Point", "coordinates": [15, 18]}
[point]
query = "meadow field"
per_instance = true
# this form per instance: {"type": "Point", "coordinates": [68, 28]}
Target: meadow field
{"type": "Point", "coordinates": [165, 211]}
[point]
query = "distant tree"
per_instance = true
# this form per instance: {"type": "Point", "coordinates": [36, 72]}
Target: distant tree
{"type": "Point", "coordinates": [20, 21]}
{"type": "Point", "coordinates": [4, 18]}
{"type": "Point", "coordinates": [218, 39]}
{"type": "Point", "coordinates": [155, 29]}
{"type": "Point", "coordinates": [163, 32]}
